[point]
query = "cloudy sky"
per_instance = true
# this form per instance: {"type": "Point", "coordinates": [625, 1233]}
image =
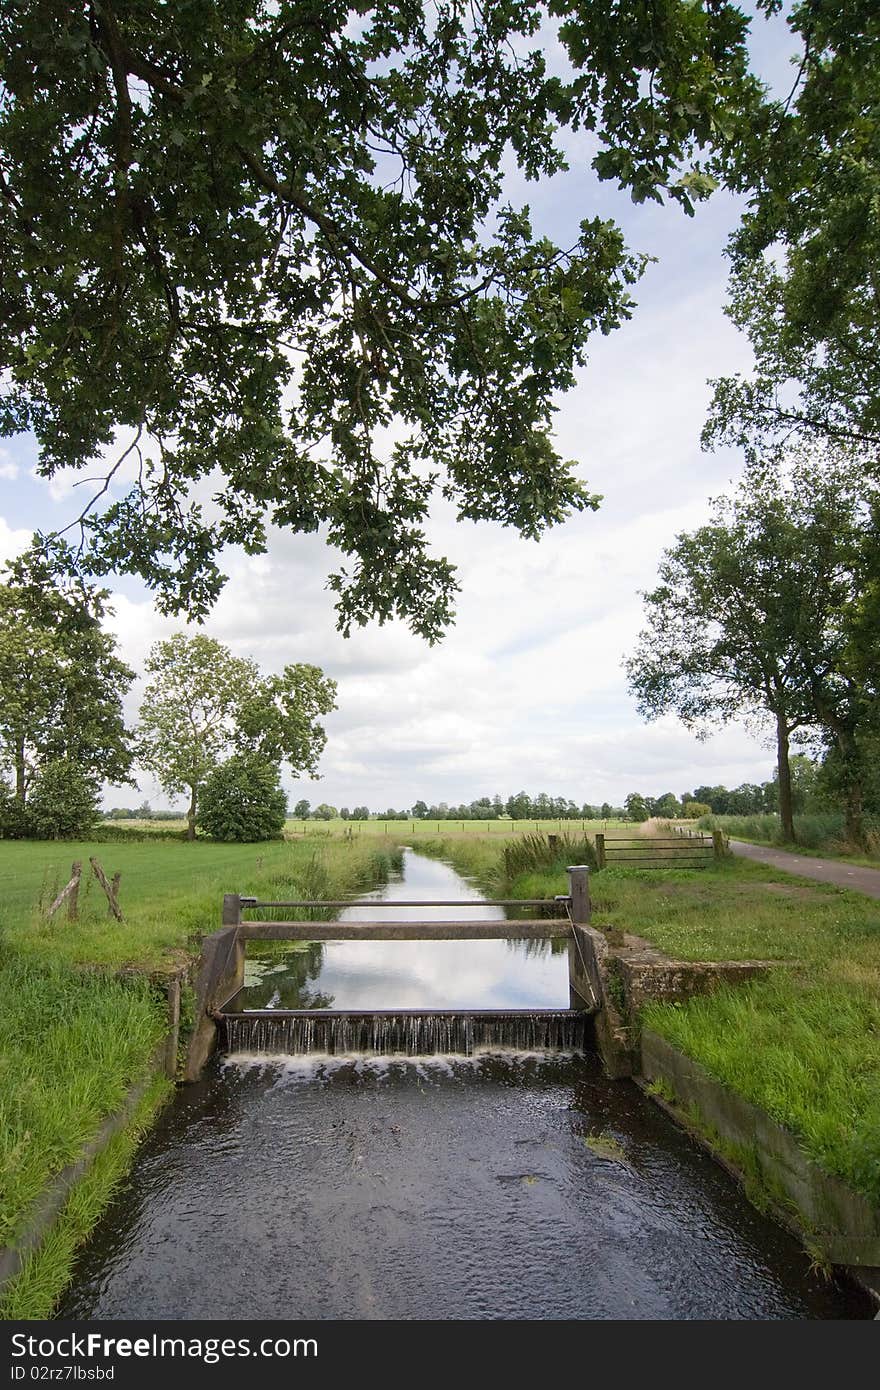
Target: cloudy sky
{"type": "Point", "coordinates": [527, 691]}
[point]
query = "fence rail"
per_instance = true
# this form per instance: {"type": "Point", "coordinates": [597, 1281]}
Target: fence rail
{"type": "Point", "coordinates": [689, 851]}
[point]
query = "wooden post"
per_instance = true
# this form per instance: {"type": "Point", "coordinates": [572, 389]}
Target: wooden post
{"type": "Point", "coordinates": [579, 892]}
{"type": "Point", "coordinates": [114, 884]}
{"type": "Point", "coordinates": [73, 896]}
{"type": "Point", "coordinates": [718, 842]}
{"type": "Point", "coordinates": [70, 890]}
{"type": "Point", "coordinates": [231, 910]}
{"type": "Point", "coordinates": [111, 898]}
{"type": "Point", "coordinates": [600, 849]}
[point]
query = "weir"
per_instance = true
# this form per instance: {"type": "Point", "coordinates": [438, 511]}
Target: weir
{"type": "Point", "coordinates": [409, 1032]}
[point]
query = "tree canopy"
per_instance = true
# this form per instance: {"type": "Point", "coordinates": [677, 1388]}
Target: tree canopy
{"type": "Point", "coordinates": [757, 613]}
{"type": "Point", "coordinates": [806, 257]}
{"type": "Point", "coordinates": [61, 681]}
{"type": "Point", "coordinates": [260, 263]}
{"type": "Point", "coordinates": [203, 704]}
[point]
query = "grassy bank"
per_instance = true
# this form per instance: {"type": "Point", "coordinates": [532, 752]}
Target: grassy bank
{"type": "Point", "coordinates": [47, 1271]}
{"type": "Point", "coordinates": [83, 1012]}
{"type": "Point", "coordinates": [816, 834]}
{"type": "Point", "coordinates": [70, 1046]}
{"type": "Point", "coordinates": [803, 1043]}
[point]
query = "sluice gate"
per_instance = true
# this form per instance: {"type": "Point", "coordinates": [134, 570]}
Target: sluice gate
{"type": "Point", "coordinates": [410, 1032]}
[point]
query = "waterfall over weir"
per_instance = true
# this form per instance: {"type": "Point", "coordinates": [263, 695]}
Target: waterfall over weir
{"type": "Point", "coordinates": [405, 1032]}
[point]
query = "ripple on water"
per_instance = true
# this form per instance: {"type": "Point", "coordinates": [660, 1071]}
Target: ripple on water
{"type": "Point", "coordinates": [434, 1187]}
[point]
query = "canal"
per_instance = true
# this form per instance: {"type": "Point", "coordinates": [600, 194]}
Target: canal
{"type": "Point", "coordinates": [501, 1185]}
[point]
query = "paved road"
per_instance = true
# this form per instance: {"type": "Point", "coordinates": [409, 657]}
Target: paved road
{"type": "Point", "coordinates": [854, 876]}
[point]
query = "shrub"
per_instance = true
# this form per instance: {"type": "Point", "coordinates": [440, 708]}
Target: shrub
{"type": "Point", "coordinates": [243, 801]}
{"type": "Point", "coordinates": [63, 802]}
{"type": "Point", "coordinates": [14, 818]}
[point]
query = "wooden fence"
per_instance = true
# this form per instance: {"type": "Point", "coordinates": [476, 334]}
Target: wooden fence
{"type": "Point", "coordinates": [690, 851]}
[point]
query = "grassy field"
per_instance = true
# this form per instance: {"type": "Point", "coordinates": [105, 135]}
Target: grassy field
{"type": "Point", "coordinates": [419, 829]}
{"type": "Point", "coordinates": [170, 892]}
{"type": "Point", "coordinates": [804, 1042]}
{"type": "Point", "coordinates": [383, 829]}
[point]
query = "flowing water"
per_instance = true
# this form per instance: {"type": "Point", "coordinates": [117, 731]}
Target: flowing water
{"type": "Point", "coordinates": [507, 1184]}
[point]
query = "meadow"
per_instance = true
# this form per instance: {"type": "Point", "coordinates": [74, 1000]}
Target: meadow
{"type": "Point", "coordinates": [83, 1008]}
{"type": "Point", "coordinates": [171, 892]}
{"type": "Point", "coordinates": [419, 829]}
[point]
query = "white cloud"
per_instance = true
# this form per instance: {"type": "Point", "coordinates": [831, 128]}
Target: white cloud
{"type": "Point", "coordinates": [12, 541]}
{"type": "Point", "coordinates": [8, 467]}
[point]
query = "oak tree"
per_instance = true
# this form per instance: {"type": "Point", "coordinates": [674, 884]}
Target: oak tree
{"type": "Point", "coordinates": [203, 704]}
{"type": "Point", "coordinates": [805, 282]}
{"type": "Point", "coordinates": [754, 614]}
{"type": "Point", "coordinates": [261, 266]}
{"type": "Point", "coordinates": [61, 680]}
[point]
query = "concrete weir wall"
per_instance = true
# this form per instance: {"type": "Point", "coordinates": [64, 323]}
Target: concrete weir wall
{"type": "Point", "coordinates": [621, 973]}
{"type": "Point", "coordinates": [220, 976]}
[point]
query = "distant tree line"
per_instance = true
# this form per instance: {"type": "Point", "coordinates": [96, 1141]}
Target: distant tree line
{"type": "Point", "coordinates": [518, 807]}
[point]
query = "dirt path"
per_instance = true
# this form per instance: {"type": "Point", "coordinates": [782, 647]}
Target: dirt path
{"type": "Point", "coordinates": [854, 876]}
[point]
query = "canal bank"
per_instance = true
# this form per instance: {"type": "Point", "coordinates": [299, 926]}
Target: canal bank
{"type": "Point", "coordinates": [91, 1014]}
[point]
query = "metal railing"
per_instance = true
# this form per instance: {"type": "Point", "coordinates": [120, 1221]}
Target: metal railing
{"type": "Point", "coordinates": [573, 906]}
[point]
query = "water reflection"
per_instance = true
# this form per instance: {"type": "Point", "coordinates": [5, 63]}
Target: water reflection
{"type": "Point", "coordinates": [511, 974]}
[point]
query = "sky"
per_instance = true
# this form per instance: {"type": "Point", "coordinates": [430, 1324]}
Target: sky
{"type": "Point", "coordinates": [527, 691]}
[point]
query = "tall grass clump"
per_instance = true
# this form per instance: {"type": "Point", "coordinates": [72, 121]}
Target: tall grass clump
{"type": "Point", "coordinates": [71, 1044]}
{"type": "Point", "coordinates": [532, 866]}
{"type": "Point", "coordinates": [541, 853]}
{"type": "Point", "coordinates": [821, 831]}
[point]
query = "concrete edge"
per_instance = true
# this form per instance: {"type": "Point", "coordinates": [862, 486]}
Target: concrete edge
{"type": "Point", "coordinates": [53, 1199]}
{"type": "Point", "coordinates": [855, 1252]}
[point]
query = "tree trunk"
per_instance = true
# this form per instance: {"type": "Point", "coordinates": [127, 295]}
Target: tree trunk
{"type": "Point", "coordinates": [191, 816]}
{"type": "Point", "coordinates": [20, 772]}
{"type": "Point", "coordinates": [786, 815]}
{"type": "Point", "coordinates": [855, 829]}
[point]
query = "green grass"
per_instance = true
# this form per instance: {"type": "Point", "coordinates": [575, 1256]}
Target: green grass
{"type": "Point", "coordinates": [407, 830]}
{"type": "Point", "coordinates": [47, 1271]}
{"type": "Point", "coordinates": [82, 1016]}
{"type": "Point", "coordinates": [171, 892]}
{"type": "Point", "coordinates": [803, 1042]}
{"type": "Point", "coordinates": [71, 1044]}
{"type": "Point", "coordinates": [806, 1050]}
